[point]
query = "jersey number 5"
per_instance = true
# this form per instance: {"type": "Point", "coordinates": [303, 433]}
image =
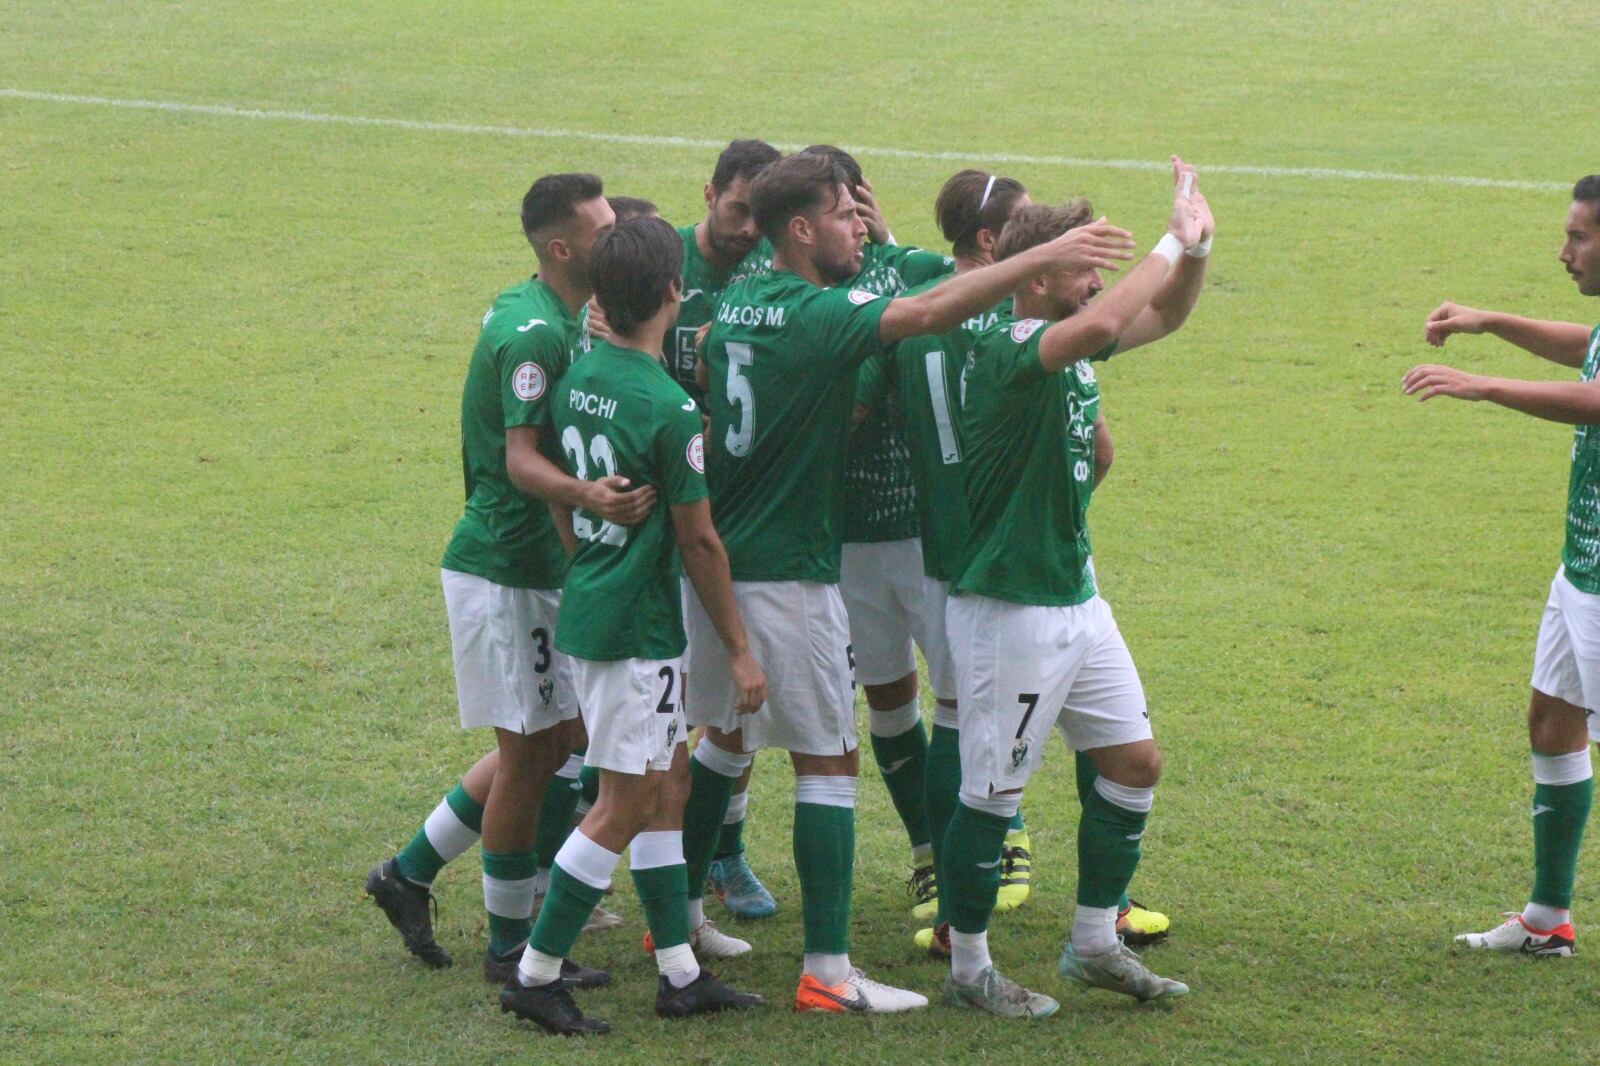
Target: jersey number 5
{"type": "Point", "coordinates": [741, 394]}
{"type": "Point", "coordinates": [606, 460]}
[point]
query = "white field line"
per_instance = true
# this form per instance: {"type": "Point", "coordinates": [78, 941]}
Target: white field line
{"type": "Point", "coordinates": [662, 141]}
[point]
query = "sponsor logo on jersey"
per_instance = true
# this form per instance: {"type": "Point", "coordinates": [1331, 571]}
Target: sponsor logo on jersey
{"type": "Point", "coordinates": [1026, 328]}
{"type": "Point", "coordinates": [696, 452]}
{"type": "Point", "coordinates": [861, 296]}
{"type": "Point", "coordinates": [527, 381]}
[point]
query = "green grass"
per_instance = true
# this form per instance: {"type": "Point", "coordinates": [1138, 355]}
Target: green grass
{"type": "Point", "coordinates": [230, 361]}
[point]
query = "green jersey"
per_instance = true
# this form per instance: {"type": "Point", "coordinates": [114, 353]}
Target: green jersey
{"type": "Point", "coordinates": [782, 358]}
{"type": "Point", "coordinates": [926, 372]}
{"type": "Point", "coordinates": [527, 341]}
{"type": "Point", "coordinates": [1029, 442]}
{"type": "Point", "coordinates": [618, 412]}
{"type": "Point", "coordinates": [1581, 553]}
{"type": "Point", "coordinates": [702, 289]}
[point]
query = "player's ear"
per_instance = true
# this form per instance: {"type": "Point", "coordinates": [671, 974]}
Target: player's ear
{"type": "Point", "coordinates": [985, 240]}
{"type": "Point", "coordinates": [559, 249]}
{"type": "Point", "coordinates": [1039, 284]}
{"type": "Point", "coordinates": [711, 195]}
{"type": "Point", "coordinates": [800, 229]}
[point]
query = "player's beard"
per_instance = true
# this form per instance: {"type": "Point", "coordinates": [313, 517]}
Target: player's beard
{"type": "Point", "coordinates": [840, 271]}
{"type": "Point", "coordinates": [729, 249]}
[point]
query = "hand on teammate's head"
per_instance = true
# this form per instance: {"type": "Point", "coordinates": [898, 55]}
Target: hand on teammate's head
{"type": "Point", "coordinates": [1094, 246]}
{"type": "Point", "coordinates": [599, 326]}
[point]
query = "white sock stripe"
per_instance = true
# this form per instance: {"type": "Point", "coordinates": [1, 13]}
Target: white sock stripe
{"type": "Point", "coordinates": [676, 959]}
{"type": "Point", "coordinates": [655, 849]}
{"type": "Point", "coordinates": [946, 717]}
{"type": "Point", "coordinates": [964, 155]}
{"type": "Point", "coordinates": [1000, 804]}
{"type": "Point", "coordinates": [1129, 799]}
{"type": "Point", "coordinates": [1562, 769]}
{"type": "Point", "coordinates": [571, 768]}
{"type": "Point", "coordinates": [586, 861]}
{"type": "Point", "coordinates": [718, 761]}
{"type": "Point", "coordinates": [828, 791]}
{"type": "Point", "coordinates": [892, 723]}
{"type": "Point", "coordinates": [737, 806]}
{"type": "Point", "coordinates": [537, 968]}
{"type": "Point", "coordinates": [508, 899]}
{"type": "Point", "coordinates": [448, 835]}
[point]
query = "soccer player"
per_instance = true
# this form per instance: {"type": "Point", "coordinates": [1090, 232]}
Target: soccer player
{"type": "Point", "coordinates": [621, 623]}
{"type": "Point", "coordinates": [972, 209]}
{"type": "Point", "coordinates": [628, 208]}
{"type": "Point", "coordinates": [1566, 658]}
{"type": "Point", "coordinates": [1034, 644]}
{"type": "Point", "coordinates": [782, 359]}
{"type": "Point", "coordinates": [502, 575]}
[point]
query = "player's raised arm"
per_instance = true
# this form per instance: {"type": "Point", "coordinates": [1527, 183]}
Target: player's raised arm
{"type": "Point", "coordinates": [1124, 314]}
{"type": "Point", "coordinates": [1096, 246]}
{"type": "Point", "coordinates": [1560, 342]}
{"type": "Point", "coordinates": [609, 497]}
{"type": "Point", "coordinates": [1575, 403]}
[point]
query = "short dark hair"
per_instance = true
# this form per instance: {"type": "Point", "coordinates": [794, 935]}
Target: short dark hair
{"type": "Point", "coordinates": [1037, 223]}
{"type": "Point", "coordinates": [852, 169]}
{"type": "Point", "coordinates": [633, 266]}
{"type": "Point", "coordinates": [742, 159]}
{"type": "Point", "coordinates": [962, 208]}
{"type": "Point", "coordinates": [553, 199]}
{"type": "Point", "coordinates": [794, 185]}
{"type": "Point", "coordinates": [1587, 191]}
{"type": "Point", "coordinates": [626, 207]}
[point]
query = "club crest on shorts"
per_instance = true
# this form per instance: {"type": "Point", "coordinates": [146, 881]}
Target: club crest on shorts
{"type": "Point", "coordinates": [547, 691]}
{"type": "Point", "coordinates": [672, 732]}
{"type": "Point", "coordinates": [1019, 753]}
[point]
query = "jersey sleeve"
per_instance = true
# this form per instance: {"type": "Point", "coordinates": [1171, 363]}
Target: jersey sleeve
{"type": "Point", "coordinates": [530, 365]}
{"type": "Point", "coordinates": [844, 323]}
{"type": "Point", "coordinates": [916, 266]}
{"type": "Point", "coordinates": [680, 457]}
{"type": "Point", "coordinates": [873, 384]}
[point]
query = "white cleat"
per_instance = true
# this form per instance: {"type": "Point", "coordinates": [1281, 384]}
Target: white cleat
{"type": "Point", "coordinates": [601, 918]}
{"type": "Point", "coordinates": [708, 942]}
{"type": "Point", "coordinates": [1118, 970]}
{"type": "Point", "coordinates": [1515, 936]}
{"type": "Point", "coordinates": [859, 994]}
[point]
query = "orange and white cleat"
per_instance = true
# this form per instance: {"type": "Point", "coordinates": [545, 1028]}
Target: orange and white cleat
{"type": "Point", "coordinates": [1516, 936]}
{"type": "Point", "coordinates": [859, 994]}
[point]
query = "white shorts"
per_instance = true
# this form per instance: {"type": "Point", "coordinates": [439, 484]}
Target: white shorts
{"type": "Point", "coordinates": [1022, 669]}
{"type": "Point", "coordinates": [799, 635]}
{"type": "Point", "coordinates": [890, 605]}
{"type": "Point", "coordinates": [508, 672]}
{"type": "Point", "coordinates": [635, 717]}
{"type": "Point", "coordinates": [1566, 660]}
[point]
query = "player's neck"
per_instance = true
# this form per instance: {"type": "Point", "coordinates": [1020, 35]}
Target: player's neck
{"type": "Point", "coordinates": [574, 292]}
{"type": "Point", "coordinates": [965, 263]}
{"type": "Point", "coordinates": [708, 252]}
{"type": "Point", "coordinates": [795, 263]}
{"type": "Point", "coordinates": [1025, 305]}
{"type": "Point", "coordinates": [650, 337]}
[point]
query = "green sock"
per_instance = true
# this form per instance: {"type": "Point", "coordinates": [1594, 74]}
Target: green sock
{"type": "Point", "coordinates": [1086, 775]}
{"type": "Point", "coordinates": [901, 760]}
{"type": "Point", "coordinates": [730, 841]}
{"type": "Point", "coordinates": [561, 798]}
{"type": "Point", "coordinates": [508, 897]}
{"type": "Point", "coordinates": [971, 868]}
{"type": "Point", "coordinates": [1559, 814]}
{"type": "Point", "coordinates": [566, 908]}
{"type": "Point", "coordinates": [824, 859]}
{"type": "Point", "coordinates": [1017, 825]}
{"type": "Point", "coordinates": [457, 821]}
{"type": "Point", "coordinates": [941, 782]}
{"type": "Point", "coordinates": [664, 893]}
{"type": "Point", "coordinates": [1108, 850]}
{"type": "Point", "coordinates": [709, 792]}
{"type": "Point", "coordinates": [589, 780]}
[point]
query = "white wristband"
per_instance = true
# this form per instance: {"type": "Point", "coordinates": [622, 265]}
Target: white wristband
{"type": "Point", "coordinates": [1199, 251]}
{"type": "Point", "coordinates": [1170, 247]}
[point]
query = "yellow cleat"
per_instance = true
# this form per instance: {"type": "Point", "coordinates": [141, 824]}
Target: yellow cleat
{"type": "Point", "coordinates": [936, 942]}
{"type": "Point", "coordinates": [923, 887]}
{"type": "Point", "coordinates": [1016, 872]}
{"type": "Point", "coordinates": [1138, 926]}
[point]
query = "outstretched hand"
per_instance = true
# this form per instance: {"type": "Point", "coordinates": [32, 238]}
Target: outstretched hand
{"type": "Point", "coordinates": [1430, 380]}
{"type": "Point", "coordinates": [1190, 221]}
{"type": "Point", "coordinates": [1450, 318]}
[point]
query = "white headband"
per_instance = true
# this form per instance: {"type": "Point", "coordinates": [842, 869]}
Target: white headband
{"type": "Point", "coordinates": [987, 189]}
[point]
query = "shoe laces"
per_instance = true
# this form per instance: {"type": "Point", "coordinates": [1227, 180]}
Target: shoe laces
{"type": "Point", "coordinates": [923, 883]}
{"type": "Point", "coordinates": [867, 984]}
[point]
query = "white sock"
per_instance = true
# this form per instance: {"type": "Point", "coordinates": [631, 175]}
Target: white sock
{"type": "Point", "coordinates": [1094, 930]}
{"type": "Point", "coordinates": [897, 720]}
{"type": "Point", "coordinates": [737, 805]}
{"type": "Point", "coordinates": [583, 859]}
{"type": "Point", "coordinates": [697, 914]}
{"type": "Point", "coordinates": [969, 955]}
{"type": "Point", "coordinates": [447, 834]}
{"type": "Point", "coordinates": [831, 970]}
{"type": "Point", "coordinates": [1545, 917]}
{"type": "Point", "coordinates": [677, 965]}
{"type": "Point", "coordinates": [537, 968]}
{"type": "Point", "coordinates": [541, 880]}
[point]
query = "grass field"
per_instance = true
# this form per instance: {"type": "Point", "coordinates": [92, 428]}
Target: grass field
{"type": "Point", "coordinates": [231, 352]}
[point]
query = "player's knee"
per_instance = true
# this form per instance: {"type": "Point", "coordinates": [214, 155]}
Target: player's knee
{"type": "Point", "coordinates": [1141, 767]}
{"type": "Point", "coordinates": [1556, 726]}
{"type": "Point", "coordinates": [893, 695]}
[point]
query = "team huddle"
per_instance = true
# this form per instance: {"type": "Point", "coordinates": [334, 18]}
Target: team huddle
{"type": "Point", "coordinates": [718, 475]}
